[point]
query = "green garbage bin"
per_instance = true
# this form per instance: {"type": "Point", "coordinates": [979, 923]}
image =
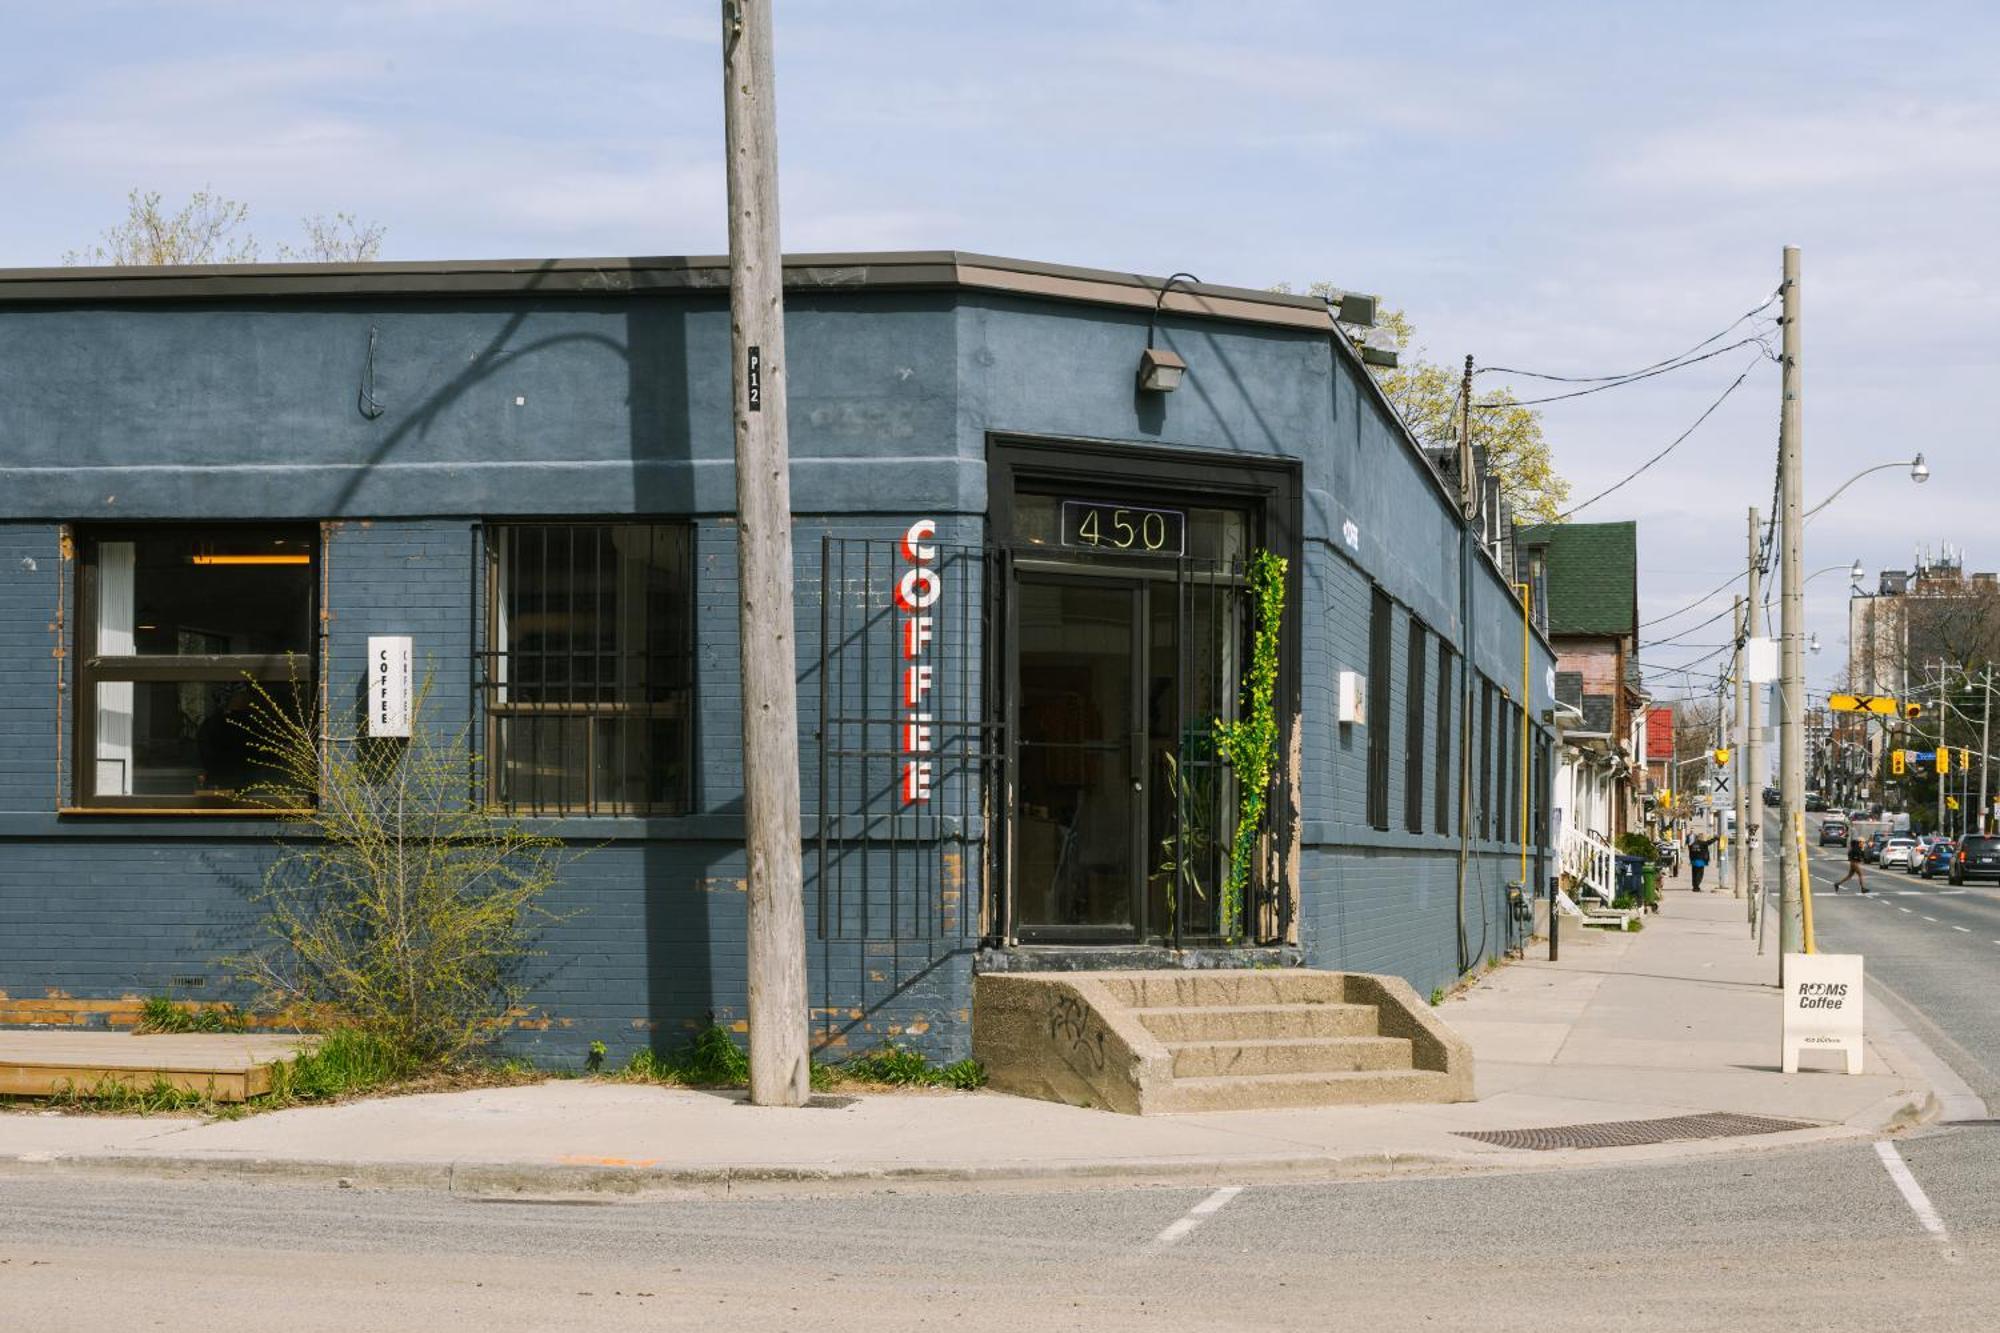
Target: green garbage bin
{"type": "Point", "coordinates": [1650, 879]}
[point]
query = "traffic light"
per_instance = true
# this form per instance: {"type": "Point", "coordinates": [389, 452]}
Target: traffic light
{"type": "Point", "coordinates": [1896, 762]}
{"type": "Point", "coordinates": [1722, 755]}
{"type": "Point", "coordinates": [1943, 760]}
{"type": "Point", "coordinates": [1913, 710]}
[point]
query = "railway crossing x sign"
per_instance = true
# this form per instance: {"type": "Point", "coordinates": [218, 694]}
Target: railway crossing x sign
{"type": "Point", "coordinates": [1863, 703]}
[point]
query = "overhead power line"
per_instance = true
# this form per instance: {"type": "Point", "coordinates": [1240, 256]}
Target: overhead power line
{"type": "Point", "coordinates": [1643, 370]}
{"type": "Point", "coordinates": [1636, 472]}
{"type": "Point", "coordinates": [1723, 586]}
{"type": "Point", "coordinates": [1757, 341]}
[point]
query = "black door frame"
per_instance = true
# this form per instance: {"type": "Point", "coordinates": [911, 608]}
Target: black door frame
{"type": "Point", "coordinates": [1271, 488]}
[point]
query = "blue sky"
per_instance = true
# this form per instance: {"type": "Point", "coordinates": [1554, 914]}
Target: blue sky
{"type": "Point", "coordinates": [1578, 188]}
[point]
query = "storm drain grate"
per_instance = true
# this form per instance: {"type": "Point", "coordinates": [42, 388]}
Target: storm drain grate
{"type": "Point", "coordinates": [1632, 1133]}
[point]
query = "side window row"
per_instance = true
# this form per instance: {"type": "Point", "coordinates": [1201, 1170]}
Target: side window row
{"type": "Point", "coordinates": [586, 670]}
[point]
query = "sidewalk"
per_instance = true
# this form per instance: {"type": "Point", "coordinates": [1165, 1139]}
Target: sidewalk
{"type": "Point", "coordinates": [1679, 1019]}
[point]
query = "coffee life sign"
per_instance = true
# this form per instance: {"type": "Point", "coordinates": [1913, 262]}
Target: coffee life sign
{"type": "Point", "coordinates": [1822, 1008]}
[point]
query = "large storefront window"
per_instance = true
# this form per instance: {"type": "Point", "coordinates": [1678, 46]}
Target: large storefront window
{"type": "Point", "coordinates": [588, 669]}
{"type": "Point", "coordinates": [180, 627]}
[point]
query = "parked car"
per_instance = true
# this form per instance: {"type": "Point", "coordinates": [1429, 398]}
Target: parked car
{"type": "Point", "coordinates": [1833, 832]}
{"type": "Point", "coordinates": [1771, 796]}
{"type": "Point", "coordinates": [1896, 852]}
{"type": "Point", "coordinates": [1872, 849]}
{"type": "Point", "coordinates": [1978, 857]}
{"type": "Point", "coordinates": [1815, 803]}
{"type": "Point", "coordinates": [1938, 860]}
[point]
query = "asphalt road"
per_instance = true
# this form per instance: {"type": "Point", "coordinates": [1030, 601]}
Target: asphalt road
{"type": "Point", "coordinates": [1813, 1238]}
{"type": "Point", "coordinates": [1933, 948]}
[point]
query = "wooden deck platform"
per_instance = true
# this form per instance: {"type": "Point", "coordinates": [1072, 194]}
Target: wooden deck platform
{"type": "Point", "coordinates": [227, 1067]}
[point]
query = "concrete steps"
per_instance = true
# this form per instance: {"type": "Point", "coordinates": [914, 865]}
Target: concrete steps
{"type": "Point", "coordinates": [1359, 1087]}
{"type": "Point", "coordinates": [1228, 1039]}
{"type": "Point", "coordinates": [1314, 1055]}
{"type": "Point", "coordinates": [1248, 1022]}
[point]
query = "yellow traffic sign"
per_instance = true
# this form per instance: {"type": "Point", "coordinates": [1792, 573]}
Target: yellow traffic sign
{"type": "Point", "coordinates": [1951, 802]}
{"type": "Point", "coordinates": [1864, 703]}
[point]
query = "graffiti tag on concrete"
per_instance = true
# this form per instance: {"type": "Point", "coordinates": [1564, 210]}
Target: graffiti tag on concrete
{"type": "Point", "coordinates": [1076, 1033]}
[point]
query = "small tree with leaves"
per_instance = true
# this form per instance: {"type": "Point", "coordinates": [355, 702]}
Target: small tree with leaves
{"type": "Point", "coordinates": [212, 229]}
{"type": "Point", "coordinates": [403, 906]}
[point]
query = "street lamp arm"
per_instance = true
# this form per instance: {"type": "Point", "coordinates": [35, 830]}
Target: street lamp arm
{"type": "Point", "coordinates": [1918, 473]}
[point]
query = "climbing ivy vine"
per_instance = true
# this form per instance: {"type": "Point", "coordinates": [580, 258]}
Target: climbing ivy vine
{"type": "Point", "coordinates": [1249, 744]}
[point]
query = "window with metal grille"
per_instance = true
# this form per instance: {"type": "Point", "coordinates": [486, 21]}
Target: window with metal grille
{"type": "Point", "coordinates": [182, 627]}
{"type": "Point", "coordinates": [588, 668]}
{"type": "Point", "coordinates": [1447, 777]}
{"type": "Point", "coordinates": [1414, 701]}
{"type": "Point", "coordinates": [1485, 821]}
{"type": "Point", "coordinates": [1381, 628]}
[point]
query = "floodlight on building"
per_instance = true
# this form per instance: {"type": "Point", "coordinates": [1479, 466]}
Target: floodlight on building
{"type": "Point", "coordinates": [1160, 371]}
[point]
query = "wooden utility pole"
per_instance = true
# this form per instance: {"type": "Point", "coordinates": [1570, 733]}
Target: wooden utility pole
{"type": "Point", "coordinates": [779, 1067]}
{"type": "Point", "coordinates": [1753, 737]}
{"type": "Point", "coordinates": [1792, 625]}
{"type": "Point", "coordinates": [1739, 845]}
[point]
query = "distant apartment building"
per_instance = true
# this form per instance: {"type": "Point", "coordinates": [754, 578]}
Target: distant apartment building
{"type": "Point", "coordinates": [1916, 619]}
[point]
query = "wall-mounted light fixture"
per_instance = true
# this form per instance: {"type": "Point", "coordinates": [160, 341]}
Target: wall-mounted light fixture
{"type": "Point", "coordinates": [1160, 370]}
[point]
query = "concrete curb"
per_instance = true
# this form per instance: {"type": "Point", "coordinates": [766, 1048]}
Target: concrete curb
{"type": "Point", "coordinates": [491, 1180]}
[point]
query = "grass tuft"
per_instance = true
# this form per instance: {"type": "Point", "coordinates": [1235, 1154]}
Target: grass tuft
{"type": "Point", "coordinates": [714, 1060]}
{"type": "Point", "coordinates": [159, 1014]}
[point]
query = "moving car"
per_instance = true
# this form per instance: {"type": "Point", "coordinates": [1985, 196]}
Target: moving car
{"type": "Point", "coordinates": [1815, 803]}
{"type": "Point", "coordinates": [1938, 860]}
{"type": "Point", "coordinates": [1833, 832]}
{"type": "Point", "coordinates": [1915, 861]}
{"type": "Point", "coordinates": [1872, 849]}
{"type": "Point", "coordinates": [1896, 852]}
{"type": "Point", "coordinates": [1978, 857]}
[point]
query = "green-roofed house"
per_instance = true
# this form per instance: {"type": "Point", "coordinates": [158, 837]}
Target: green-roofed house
{"type": "Point", "coordinates": [1586, 580]}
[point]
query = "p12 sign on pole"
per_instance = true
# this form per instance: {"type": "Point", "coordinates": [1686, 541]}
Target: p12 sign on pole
{"type": "Point", "coordinates": [391, 697]}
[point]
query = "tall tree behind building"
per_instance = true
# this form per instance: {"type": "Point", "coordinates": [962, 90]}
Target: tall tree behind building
{"type": "Point", "coordinates": [211, 229]}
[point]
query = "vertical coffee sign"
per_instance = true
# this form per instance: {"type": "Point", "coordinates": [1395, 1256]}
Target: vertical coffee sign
{"type": "Point", "coordinates": [917, 591]}
{"type": "Point", "coordinates": [391, 700]}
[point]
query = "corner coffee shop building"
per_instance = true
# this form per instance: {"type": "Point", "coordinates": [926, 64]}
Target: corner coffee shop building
{"type": "Point", "coordinates": [526, 468]}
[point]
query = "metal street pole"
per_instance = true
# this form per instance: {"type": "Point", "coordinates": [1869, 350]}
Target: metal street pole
{"type": "Point", "coordinates": [1753, 744]}
{"type": "Point", "coordinates": [1739, 846]}
{"type": "Point", "coordinates": [1792, 625]}
{"type": "Point", "coordinates": [1941, 752]}
{"type": "Point", "coordinates": [1985, 747]}
{"type": "Point", "coordinates": [768, 657]}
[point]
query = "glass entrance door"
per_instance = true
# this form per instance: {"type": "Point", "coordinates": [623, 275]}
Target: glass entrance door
{"type": "Point", "coordinates": [1080, 787]}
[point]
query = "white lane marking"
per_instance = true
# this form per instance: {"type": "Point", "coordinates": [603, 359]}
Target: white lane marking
{"type": "Point", "coordinates": [1196, 1215]}
{"type": "Point", "coordinates": [1902, 909]}
{"type": "Point", "coordinates": [1931, 919]}
{"type": "Point", "coordinates": [1913, 1193]}
{"type": "Point", "coordinates": [1952, 893]}
{"type": "Point", "coordinates": [1906, 893]}
{"type": "Point", "coordinates": [1963, 930]}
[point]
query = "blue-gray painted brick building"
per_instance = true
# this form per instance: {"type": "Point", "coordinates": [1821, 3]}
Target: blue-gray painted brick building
{"type": "Point", "coordinates": [526, 469]}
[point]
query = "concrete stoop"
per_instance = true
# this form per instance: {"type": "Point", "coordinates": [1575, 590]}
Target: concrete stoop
{"type": "Point", "coordinates": [1158, 1042]}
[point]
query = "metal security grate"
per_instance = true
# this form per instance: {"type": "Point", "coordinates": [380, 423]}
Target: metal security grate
{"type": "Point", "coordinates": [1633, 1133]}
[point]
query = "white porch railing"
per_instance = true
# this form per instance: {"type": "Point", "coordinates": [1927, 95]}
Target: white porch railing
{"type": "Point", "coordinates": [1590, 861]}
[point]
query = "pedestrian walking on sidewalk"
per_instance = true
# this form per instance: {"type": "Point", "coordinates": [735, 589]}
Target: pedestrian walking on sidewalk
{"type": "Point", "coordinates": [1854, 859]}
{"type": "Point", "coordinates": [1698, 846]}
